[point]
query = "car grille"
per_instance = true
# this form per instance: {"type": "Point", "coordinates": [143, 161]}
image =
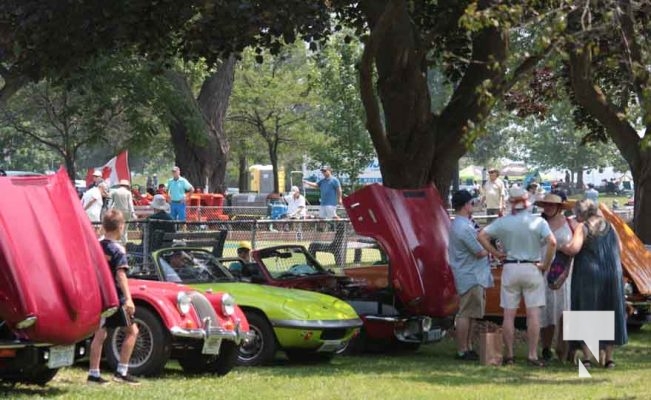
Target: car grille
{"type": "Point", "coordinates": [333, 334]}
{"type": "Point", "coordinates": [203, 307]}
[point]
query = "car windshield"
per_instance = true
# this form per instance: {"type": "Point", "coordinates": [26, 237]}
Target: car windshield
{"type": "Point", "coordinates": [289, 262]}
{"type": "Point", "coordinates": [192, 266]}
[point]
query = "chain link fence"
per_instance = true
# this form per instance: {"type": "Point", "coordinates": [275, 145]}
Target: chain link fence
{"type": "Point", "coordinates": [333, 242]}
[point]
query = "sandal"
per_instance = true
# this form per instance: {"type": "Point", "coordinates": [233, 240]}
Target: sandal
{"type": "Point", "coordinates": [508, 361]}
{"type": "Point", "coordinates": [535, 363]}
{"type": "Point", "coordinates": [610, 364]}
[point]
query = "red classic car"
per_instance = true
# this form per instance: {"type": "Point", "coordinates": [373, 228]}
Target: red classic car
{"type": "Point", "coordinates": [409, 301]}
{"type": "Point", "coordinates": [202, 331]}
{"type": "Point", "coordinates": [54, 281]}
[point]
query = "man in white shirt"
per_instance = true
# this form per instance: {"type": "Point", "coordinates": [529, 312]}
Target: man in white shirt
{"type": "Point", "coordinates": [296, 207]}
{"type": "Point", "coordinates": [494, 194]}
{"type": "Point", "coordinates": [92, 201]}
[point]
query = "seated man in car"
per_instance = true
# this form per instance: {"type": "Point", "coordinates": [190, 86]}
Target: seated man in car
{"type": "Point", "coordinates": [178, 264]}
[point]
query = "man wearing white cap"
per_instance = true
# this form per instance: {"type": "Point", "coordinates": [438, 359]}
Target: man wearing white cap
{"type": "Point", "coordinates": [523, 236]}
{"type": "Point", "coordinates": [296, 207]}
{"type": "Point", "coordinates": [92, 201]}
{"type": "Point", "coordinates": [97, 178]}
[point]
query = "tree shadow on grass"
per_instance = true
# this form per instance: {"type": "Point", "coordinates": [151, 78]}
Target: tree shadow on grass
{"type": "Point", "coordinates": [9, 391]}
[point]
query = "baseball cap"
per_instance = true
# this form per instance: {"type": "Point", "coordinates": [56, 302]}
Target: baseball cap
{"type": "Point", "coordinates": [97, 173]}
{"type": "Point", "coordinates": [460, 198]}
{"type": "Point", "coordinates": [244, 244]}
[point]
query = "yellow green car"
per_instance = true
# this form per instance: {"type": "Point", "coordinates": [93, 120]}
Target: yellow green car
{"type": "Point", "coordinates": [307, 326]}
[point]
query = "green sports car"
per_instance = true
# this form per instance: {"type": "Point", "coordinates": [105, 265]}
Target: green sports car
{"type": "Point", "coordinates": [308, 326]}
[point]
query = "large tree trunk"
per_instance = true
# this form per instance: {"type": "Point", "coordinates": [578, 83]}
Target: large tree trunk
{"type": "Point", "coordinates": [12, 83]}
{"type": "Point", "coordinates": [243, 175]}
{"type": "Point", "coordinates": [415, 147]}
{"type": "Point", "coordinates": [594, 100]}
{"type": "Point", "coordinates": [202, 155]}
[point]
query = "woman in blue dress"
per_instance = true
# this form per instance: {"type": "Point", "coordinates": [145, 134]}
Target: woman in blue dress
{"type": "Point", "coordinates": [597, 282]}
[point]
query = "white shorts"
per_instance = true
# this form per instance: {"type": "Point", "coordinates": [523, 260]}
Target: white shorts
{"type": "Point", "coordinates": [522, 280]}
{"type": "Point", "coordinates": [327, 212]}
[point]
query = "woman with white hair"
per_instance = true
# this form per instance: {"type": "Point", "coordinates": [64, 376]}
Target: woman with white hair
{"type": "Point", "coordinates": [296, 207]}
{"type": "Point", "coordinates": [597, 282]}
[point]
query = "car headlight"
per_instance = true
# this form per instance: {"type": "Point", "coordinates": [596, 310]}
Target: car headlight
{"type": "Point", "coordinates": [228, 304]}
{"type": "Point", "coordinates": [183, 302]}
{"type": "Point", "coordinates": [427, 324]}
{"type": "Point", "coordinates": [628, 289]}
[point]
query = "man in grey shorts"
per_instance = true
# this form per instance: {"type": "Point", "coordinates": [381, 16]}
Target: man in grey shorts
{"type": "Point", "coordinates": [469, 263]}
{"type": "Point", "coordinates": [523, 236]}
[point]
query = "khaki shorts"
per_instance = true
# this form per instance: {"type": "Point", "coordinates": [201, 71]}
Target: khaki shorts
{"type": "Point", "coordinates": [472, 303]}
{"type": "Point", "coordinates": [522, 280]}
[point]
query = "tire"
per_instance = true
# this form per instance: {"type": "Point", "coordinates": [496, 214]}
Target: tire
{"type": "Point", "coordinates": [261, 349]}
{"type": "Point", "coordinates": [196, 363]}
{"type": "Point", "coordinates": [407, 347]}
{"type": "Point", "coordinates": [226, 360]}
{"type": "Point", "coordinates": [39, 375]}
{"type": "Point", "coordinates": [152, 349]}
{"type": "Point", "coordinates": [354, 346]}
{"type": "Point", "coordinates": [308, 356]}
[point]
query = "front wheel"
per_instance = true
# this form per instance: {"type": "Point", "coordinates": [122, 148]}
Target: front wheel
{"type": "Point", "coordinates": [152, 349]}
{"type": "Point", "coordinates": [261, 348]}
{"type": "Point", "coordinates": [195, 363]}
{"type": "Point", "coordinates": [38, 375]}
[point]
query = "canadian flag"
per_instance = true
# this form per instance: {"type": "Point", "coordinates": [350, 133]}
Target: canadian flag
{"type": "Point", "coordinates": [113, 171]}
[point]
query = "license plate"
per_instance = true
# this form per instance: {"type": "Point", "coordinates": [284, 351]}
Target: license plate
{"type": "Point", "coordinates": [434, 335]}
{"type": "Point", "coordinates": [211, 345]}
{"type": "Point", "coordinates": [330, 345]}
{"type": "Point", "coordinates": [61, 356]}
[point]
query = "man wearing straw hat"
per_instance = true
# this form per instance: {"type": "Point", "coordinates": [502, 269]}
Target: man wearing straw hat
{"type": "Point", "coordinates": [122, 199]}
{"type": "Point", "coordinates": [494, 193]}
{"type": "Point", "coordinates": [522, 234]}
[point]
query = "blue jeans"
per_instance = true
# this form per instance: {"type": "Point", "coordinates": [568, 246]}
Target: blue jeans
{"type": "Point", "coordinates": [177, 211]}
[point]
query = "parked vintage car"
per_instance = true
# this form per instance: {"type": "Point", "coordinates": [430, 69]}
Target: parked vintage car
{"type": "Point", "coordinates": [54, 281]}
{"type": "Point", "coordinates": [413, 299]}
{"type": "Point", "coordinates": [203, 331]}
{"type": "Point", "coordinates": [636, 267]}
{"type": "Point", "coordinates": [308, 326]}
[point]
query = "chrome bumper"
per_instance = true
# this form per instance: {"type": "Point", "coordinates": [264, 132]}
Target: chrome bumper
{"type": "Point", "coordinates": [236, 335]}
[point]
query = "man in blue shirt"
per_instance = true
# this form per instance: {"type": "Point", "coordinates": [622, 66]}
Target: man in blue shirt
{"type": "Point", "coordinates": [469, 263]}
{"type": "Point", "coordinates": [330, 189]}
{"type": "Point", "coordinates": [177, 187]}
{"type": "Point", "coordinates": [591, 194]}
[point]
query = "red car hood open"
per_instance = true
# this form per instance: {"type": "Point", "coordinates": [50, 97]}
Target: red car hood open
{"type": "Point", "coordinates": [51, 264]}
{"type": "Point", "coordinates": [412, 227]}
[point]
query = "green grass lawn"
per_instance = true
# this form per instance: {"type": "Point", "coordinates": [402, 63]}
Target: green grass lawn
{"type": "Point", "coordinates": [430, 373]}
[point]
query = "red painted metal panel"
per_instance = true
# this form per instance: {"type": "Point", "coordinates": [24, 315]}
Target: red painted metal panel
{"type": "Point", "coordinates": [412, 228]}
{"type": "Point", "coordinates": [51, 264]}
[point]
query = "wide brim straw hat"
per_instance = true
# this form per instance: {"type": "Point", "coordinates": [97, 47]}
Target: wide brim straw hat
{"type": "Point", "coordinates": [553, 199]}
